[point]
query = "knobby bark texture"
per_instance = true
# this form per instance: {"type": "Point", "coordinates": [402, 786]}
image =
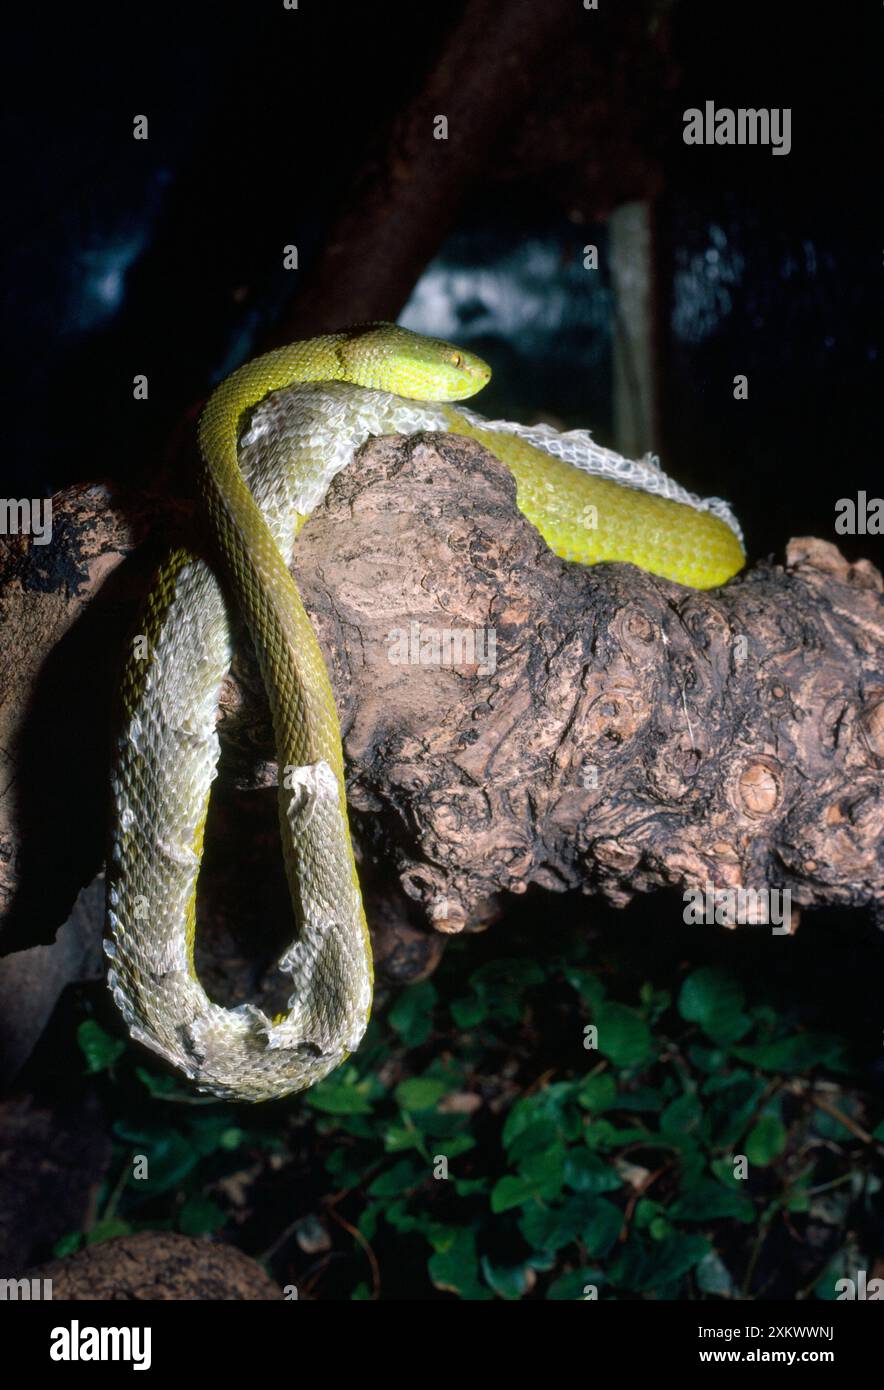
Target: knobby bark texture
{"type": "Point", "coordinates": [510, 720]}
{"type": "Point", "coordinates": [157, 1266]}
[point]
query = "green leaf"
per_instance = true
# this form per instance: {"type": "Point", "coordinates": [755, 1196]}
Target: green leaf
{"type": "Point", "coordinates": [455, 1268]}
{"type": "Point", "coordinates": [412, 1014]}
{"type": "Point", "coordinates": [708, 1200]}
{"type": "Point", "coordinates": [209, 1133]}
{"type": "Point", "coordinates": [545, 1170]}
{"type": "Point", "coordinates": [683, 1115]}
{"type": "Point", "coordinates": [66, 1245]}
{"type": "Point", "coordinates": [456, 1145]}
{"type": "Point", "coordinates": [692, 1164]}
{"type": "Point", "coordinates": [508, 1281]}
{"type": "Point", "coordinates": [420, 1093]}
{"type": "Point", "coordinates": [708, 1059]}
{"type": "Point", "coordinates": [468, 1011]}
{"type": "Point", "coordinates": [161, 1087]}
{"type": "Point", "coordinates": [598, 1093]}
{"type": "Point", "coordinates": [470, 1187]}
{"type": "Point", "coordinates": [403, 1176]}
{"type": "Point", "coordinates": [723, 1169]}
{"type": "Point", "coordinates": [602, 1135]}
{"type": "Point", "coordinates": [169, 1159]}
{"type": "Point", "coordinates": [544, 1107]}
{"type": "Point", "coordinates": [829, 1126]}
{"type": "Point", "coordinates": [342, 1093]}
{"type": "Point", "coordinates": [438, 1126]}
{"type": "Point", "coordinates": [546, 1228]}
{"type": "Point", "coordinates": [713, 1276]}
{"type": "Point", "coordinates": [535, 1136]}
{"type": "Point", "coordinates": [646, 1213]}
{"type": "Point", "coordinates": [714, 999]}
{"type": "Point", "coordinates": [837, 1268]}
{"type": "Point", "coordinates": [399, 1138]}
{"type": "Point", "coordinates": [573, 1286]}
{"type": "Point", "coordinates": [340, 1166]}
{"type": "Point", "coordinates": [654, 1001]}
{"type": "Point", "coordinates": [367, 1223]}
{"type": "Point", "coordinates": [766, 1141]}
{"type": "Point", "coordinates": [798, 1053]}
{"type": "Point", "coordinates": [108, 1229]}
{"type": "Point", "coordinates": [500, 985]}
{"type": "Point", "coordinates": [511, 1191]}
{"type": "Point", "coordinates": [798, 1199]}
{"type": "Point", "coordinates": [586, 1172]}
{"type": "Point", "coordinates": [735, 1099]}
{"type": "Point", "coordinates": [601, 1228]}
{"type": "Point", "coordinates": [670, 1259]}
{"type": "Point", "coordinates": [587, 985]}
{"type": "Point", "coordinates": [630, 1266]}
{"type": "Point", "coordinates": [551, 1227]}
{"type": "Point", "coordinates": [727, 1080]}
{"type": "Point", "coordinates": [624, 1036]}
{"type": "Point", "coordinates": [98, 1047]}
{"type": "Point", "coordinates": [401, 1219]}
{"type": "Point", "coordinates": [642, 1098]}
{"type": "Point", "coordinates": [200, 1216]}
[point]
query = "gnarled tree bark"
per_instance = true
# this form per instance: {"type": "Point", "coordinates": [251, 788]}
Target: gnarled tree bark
{"type": "Point", "coordinates": [608, 731]}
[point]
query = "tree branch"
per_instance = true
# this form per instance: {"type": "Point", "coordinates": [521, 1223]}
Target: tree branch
{"type": "Point", "coordinates": [606, 731]}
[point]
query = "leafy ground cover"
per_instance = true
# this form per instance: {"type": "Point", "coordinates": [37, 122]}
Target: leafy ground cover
{"type": "Point", "coordinates": [556, 1114]}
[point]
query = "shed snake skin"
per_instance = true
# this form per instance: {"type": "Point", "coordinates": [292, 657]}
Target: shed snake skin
{"type": "Point", "coordinates": [272, 438]}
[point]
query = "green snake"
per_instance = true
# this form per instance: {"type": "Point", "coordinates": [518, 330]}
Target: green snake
{"type": "Point", "coordinates": [272, 437]}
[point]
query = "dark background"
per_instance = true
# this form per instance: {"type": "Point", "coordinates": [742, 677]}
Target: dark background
{"type": "Point", "coordinates": [164, 257]}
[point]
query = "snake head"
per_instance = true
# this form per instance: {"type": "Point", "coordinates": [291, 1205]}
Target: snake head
{"type": "Point", "coordinates": [389, 358]}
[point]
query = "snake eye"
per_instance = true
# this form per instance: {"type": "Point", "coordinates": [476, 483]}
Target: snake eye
{"type": "Point", "coordinates": [457, 359]}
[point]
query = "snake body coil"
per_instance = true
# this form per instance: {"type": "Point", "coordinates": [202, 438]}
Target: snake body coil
{"type": "Point", "coordinates": [306, 409]}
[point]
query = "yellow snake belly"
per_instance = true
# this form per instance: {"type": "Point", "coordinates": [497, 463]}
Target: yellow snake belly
{"type": "Point", "coordinates": [273, 437]}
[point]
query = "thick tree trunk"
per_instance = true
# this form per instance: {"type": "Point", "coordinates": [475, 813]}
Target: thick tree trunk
{"type": "Point", "coordinates": [509, 719]}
